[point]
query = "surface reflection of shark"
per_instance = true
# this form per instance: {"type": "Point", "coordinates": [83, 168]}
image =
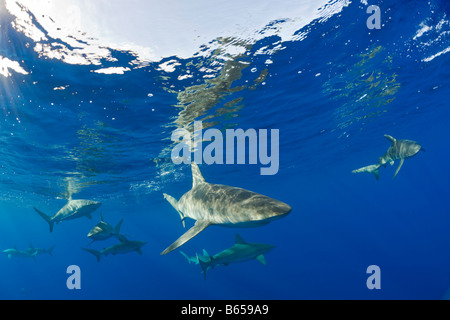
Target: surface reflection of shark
{"type": "Point", "coordinates": [399, 150]}
{"type": "Point", "coordinates": [241, 251]}
{"type": "Point", "coordinates": [30, 252]}
{"type": "Point", "coordinates": [215, 204]}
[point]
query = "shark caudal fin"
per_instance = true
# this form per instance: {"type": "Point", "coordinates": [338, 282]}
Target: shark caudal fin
{"type": "Point", "coordinates": [374, 168]}
{"type": "Point", "coordinates": [199, 226]}
{"type": "Point", "coordinates": [46, 218]}
{"type": "Point", "coordinates": [96, 253]}
{"type": "Point", "coordinates": [50, 250]}
{"type": "Point", "coordinates": [190, 259]}
{"type": "Point", "coordinates": [186, 256]}
{"type": "Point", "coordinates": [174, 204]}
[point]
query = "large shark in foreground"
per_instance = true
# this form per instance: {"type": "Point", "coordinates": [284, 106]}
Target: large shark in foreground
{"type": "Point", "coordinates": [399, 150]}
{"type": "Point", "coordinates": [241, 251]}
{"type": "Point", "coordinates": [215, 204]}
{"type": "Point", "coordinates": [72, 210]}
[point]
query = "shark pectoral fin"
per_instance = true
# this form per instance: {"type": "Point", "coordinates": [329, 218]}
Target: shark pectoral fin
{"type": "Point", "coordinates": [205, 263]}
{"type": "Point", "coordinates": [261, 259]}
{"type": "Point", "coordinates": [398, 168]}
{"type": "Point", "coordinates": [174, 204]}
{"type": "Point", "coordinates": [139, 251]}
{"type": "Point", "coordinates": [199, 226]}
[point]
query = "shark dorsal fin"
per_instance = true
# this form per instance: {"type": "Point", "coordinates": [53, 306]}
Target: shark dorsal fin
{"type": "Point", "coordinates": [197, 177]}
{"type": "Point", "coordinates": [239, 239]}
{"type": "Point", "coordinates": [390, 138]}
{"type": "Point", "coordinates": [205, 253]}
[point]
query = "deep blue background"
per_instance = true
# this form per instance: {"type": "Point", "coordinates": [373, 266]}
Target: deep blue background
{"type": "Point", "coordinates": [332, 96]}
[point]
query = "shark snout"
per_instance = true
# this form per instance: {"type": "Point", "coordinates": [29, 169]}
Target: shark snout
{"type": "Point", "coordinates": [417, 148]}
{"type": "Point", "coordinates": [279, 209]}
{"type": "Point", "coordinates": [95, 205]}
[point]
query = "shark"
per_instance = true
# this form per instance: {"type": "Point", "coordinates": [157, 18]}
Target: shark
{"type": "Point", "coordinates": [104, 230]}
{"type": "Point", "coordinates": [37, 251]}
{"type": "Point", "coordinates": [124, 246]}
{"type": "Point", "coordinates": [216, 204]}
{"type": "Point", "coordinates": [73, 209]}
{"type": "Point", "coordinates": [399, 150]}
{"type": "Point", "coordinates": [241, 251]}
{"type": "Point", "coordinates": [19, 254]}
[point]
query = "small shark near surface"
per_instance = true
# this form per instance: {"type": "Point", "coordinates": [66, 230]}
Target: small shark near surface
{"type": "Point", "coordinates": [399, 150]}
{"type": "Point", "coordinates": [241, 251]}
{"type": "Point", "coordinates": [215, 204]}
{"type": "Point", "coordinates": [124, 246]}
{"type": "Point", "coordinates": [104, 230]}
{"type": "Point", "coordinates": [72, 210]}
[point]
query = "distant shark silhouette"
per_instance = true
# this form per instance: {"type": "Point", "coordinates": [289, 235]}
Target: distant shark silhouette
{"type": "Point", "coordinates": [104, 230]}
{"type": "Point", "coordinates": [241, 251]}
{"type": "Point", "coordinates": [72, 210]}
{"type": "Point", "coordinates": [399, 150]}
{"type": "Point", "coordinates": [37, 251]}
{"type": "Point", "coordinates": [215, 204]}
{"type": "Point", "coordinates": [19, 254]}
{"type": "Point", "coordinates": [124, 246]}
{"type": "Point", "coordinates": [30, 252]}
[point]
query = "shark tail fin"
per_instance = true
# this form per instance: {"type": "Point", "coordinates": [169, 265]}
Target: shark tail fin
{"type": "Point", "coordinates": [46, 218]}
{"type": "Point", "coordinates": [96, 253]}
{"type": "Point", "coordinates": [174, 204]}
{"type": "Point", "coordinates": [50, 251]}
{"type": "Point", "coordinates": [374, 168]}
{"type": "Point", "coordinates": [186, 256]}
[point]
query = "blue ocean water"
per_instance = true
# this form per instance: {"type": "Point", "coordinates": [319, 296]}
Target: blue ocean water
{"type": "Point", "coordinates": [332, 90]}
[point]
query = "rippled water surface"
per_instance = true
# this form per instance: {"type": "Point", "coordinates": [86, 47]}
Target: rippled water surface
{"type": "Point", "coordinates": [91, 93]}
